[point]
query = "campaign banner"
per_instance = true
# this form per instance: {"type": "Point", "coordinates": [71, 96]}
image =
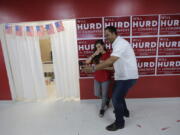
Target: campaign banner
{"type": "Point", "coordinates": [146, 66]}
{"type": "Point", "coordinates": [144, 25]}
{"type": "Point", "coordinates": [168, 65]}
{"type": "Point", "coordinates": [85, 48]}
{"type": "Point", "coordinates": [141, 31]}
{"type": "Point", "coordinates": [144, 46]}
{"type": "Point", "coordinates": [122, 24]}
{"type": "Point", "coordinates": [83, 74]}
{"type": "Point", "coordinates": [89, 28]}
{"type": "Point", "coordinates": [169, 46]}
{"type": "Point", "coordinates": [169, 24]}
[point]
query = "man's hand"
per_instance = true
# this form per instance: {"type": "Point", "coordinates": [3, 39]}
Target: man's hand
{"type": "Point", "coordinates": [87, 69]}
{"type": "Point", "coordinates": [101, 66]}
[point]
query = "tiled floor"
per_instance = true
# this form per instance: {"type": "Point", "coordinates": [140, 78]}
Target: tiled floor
{"type": "Point", "coordinates": [147, 117]}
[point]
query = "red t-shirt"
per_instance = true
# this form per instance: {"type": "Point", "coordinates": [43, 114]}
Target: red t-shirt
{"type": "Point", "coordinates": [103, 75]}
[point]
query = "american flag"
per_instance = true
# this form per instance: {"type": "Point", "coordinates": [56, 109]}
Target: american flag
{"type": "Point", "coordinates": [8, 29]}
{"type": "Point", "coordinates": [59, 26]}
{"type": "Point", "coordinates": [29, 30]}
{"type": "Point", "coordinates": [50, 29]}
{"type": "Point", "coordinates": [18, 30]}
{"type": "Point", "coordinates": [40, 30]}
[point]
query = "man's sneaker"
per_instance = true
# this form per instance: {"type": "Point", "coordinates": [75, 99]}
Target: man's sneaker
{"type": "Point", "coordinates": [101, 113]}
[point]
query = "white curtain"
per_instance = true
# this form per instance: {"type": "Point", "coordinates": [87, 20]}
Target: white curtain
{"type": "Point", "coordinates": [65, 61]}
{"type": "Point", "coordinates": [26, 67]}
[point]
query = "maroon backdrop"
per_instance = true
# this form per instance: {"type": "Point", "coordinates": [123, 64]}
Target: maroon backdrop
{"type": "Point", "coordinates": [25, 10]}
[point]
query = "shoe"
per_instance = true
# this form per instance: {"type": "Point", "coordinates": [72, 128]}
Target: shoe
{"type": "Point", "coordinates": [101, 113]}
{"type": "Point", "coordinates": [114, 127]}
{"type": "Point", "coordinates": [126, 114]}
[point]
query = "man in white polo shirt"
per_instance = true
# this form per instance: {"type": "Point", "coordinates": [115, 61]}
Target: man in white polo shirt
{"type": "Point", "coordinates": [126, 74]}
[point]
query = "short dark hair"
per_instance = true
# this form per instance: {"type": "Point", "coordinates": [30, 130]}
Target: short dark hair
{"type": "Point", "coordinates": [111, 29]}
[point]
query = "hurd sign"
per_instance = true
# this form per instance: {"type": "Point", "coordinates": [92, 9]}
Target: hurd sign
{"type": "Point", "coordinates": [144, 46]}
{"type": "Point", "coordinates": [170, 24]}
{"type": "Point", "coordinates": [122, 24]}
{"type": "Point", "coordinates": [146, 66]}
{"type": "Point", "coordinates": [169, 46]}
{"type": "Point", "coordinates": [144, 25]}
{"type": "Point", "coordinates": [168, 65]}
{"type": "Point", "coordinates": [89, 28]}
{"type": "Point", "coordinates": [85, 48]}
{"type": "Point", "coordinates": [83, 74]}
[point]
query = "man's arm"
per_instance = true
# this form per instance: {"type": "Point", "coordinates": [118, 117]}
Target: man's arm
{"type": "Point", "coordinates": [109, 68]}
{"type": "Point", "coordinates": [107, 63]}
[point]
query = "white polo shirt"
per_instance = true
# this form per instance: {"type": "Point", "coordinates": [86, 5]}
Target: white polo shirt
{"type": "Point", "coordinates": [126, 66]}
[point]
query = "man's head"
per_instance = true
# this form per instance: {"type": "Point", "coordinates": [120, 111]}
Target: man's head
{"type": "Point", "coordinates": [110, 33]}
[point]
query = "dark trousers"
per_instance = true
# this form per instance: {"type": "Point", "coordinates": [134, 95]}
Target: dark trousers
{"type": "Point", "coordinates": [120, 90]}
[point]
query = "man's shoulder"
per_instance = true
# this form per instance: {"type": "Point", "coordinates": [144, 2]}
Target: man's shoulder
{"type": "Point", "coordinates": [122, 40]}
{"type": "Point", "coordinates": [122, 43]}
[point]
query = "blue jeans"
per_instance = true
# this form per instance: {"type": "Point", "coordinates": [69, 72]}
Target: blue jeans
{"type": "Point", "coordinates": [120, 89]}
{"type": "Point", "coordinates": [101, 90]}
